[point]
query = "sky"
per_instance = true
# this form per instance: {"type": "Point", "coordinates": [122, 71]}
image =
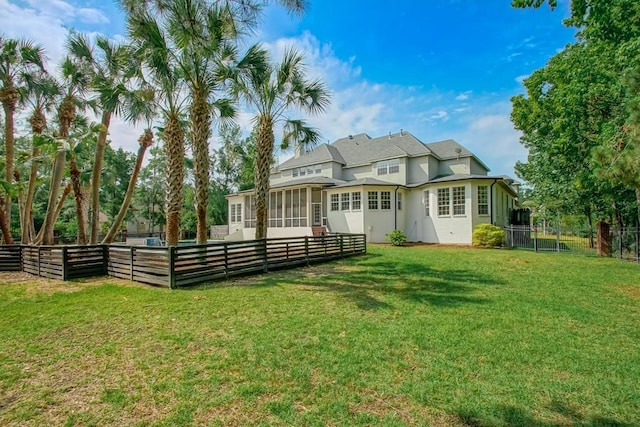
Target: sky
{"type": "Point", "coordinates": [439, 69]}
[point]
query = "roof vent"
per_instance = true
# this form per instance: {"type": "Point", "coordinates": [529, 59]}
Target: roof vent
{"type": "Point", "coordinates": [458, 150]}
{"type": "Point", "coordinates": [389, 135]}
{"type": "Point", "coordinates": [401, 134]}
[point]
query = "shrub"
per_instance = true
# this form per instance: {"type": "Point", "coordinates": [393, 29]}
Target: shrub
{"type": "Point", "coordinates": [396, 237]}
{"type": "Point", "coordinates": [488, 235]}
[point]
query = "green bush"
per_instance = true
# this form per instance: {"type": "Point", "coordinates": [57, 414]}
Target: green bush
{"type": "Point", "coordinates": [488, 235]}
{"type": "Point", "coordinates": [396, 237]}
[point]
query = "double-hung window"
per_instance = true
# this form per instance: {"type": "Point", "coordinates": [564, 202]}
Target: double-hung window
{"type": "Point", "coordinates": [385, 200]}
{"type": "Point", "coordinates": [483, 200]}
{"type": "Point", "coordinates": [335, 202]}
{"type": "Point", "coordinates": [425, 200]}
{"type": "Point", "coordinates": [458, 201]}
{"type": "Point", "coordinates": [356, 201]}
{"type": "Point", "coordinates": [444, 196]}
{"type": "Point", "coordinates": [345, 202]}
{"type": "Point", "coordinates": [373, 200]}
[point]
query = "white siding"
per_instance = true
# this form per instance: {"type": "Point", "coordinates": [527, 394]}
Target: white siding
{"type": "Point", "coordinates": [454, 166]}
{"type": "Point", "coordinates": [418, 170]}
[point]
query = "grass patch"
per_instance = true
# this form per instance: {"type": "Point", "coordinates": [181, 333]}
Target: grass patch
{"type": "Point", "coordinates": [402, 336]}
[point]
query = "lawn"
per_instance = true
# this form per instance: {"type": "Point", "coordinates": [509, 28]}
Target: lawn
{"type": "Point", "coordinates": [401, 336]}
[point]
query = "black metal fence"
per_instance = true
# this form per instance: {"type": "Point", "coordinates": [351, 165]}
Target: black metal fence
{"type": "Point", "coordinates": [625, 242]}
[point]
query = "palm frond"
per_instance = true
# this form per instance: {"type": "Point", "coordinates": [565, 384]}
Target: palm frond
{"type": "Point", "coordinates": [298, 133]}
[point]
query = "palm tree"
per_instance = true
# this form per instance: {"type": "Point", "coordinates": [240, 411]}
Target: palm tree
{"type": "Point", "coordinates": [160, 67]}
{"type": "Point", "coordinates": [76, 78]}
{"type": "Point", "coordinates": [145, 141]}
{"type": "Point", "coordinates": [114, 69]}
{"type": "Point", "coordinates": [273, 90]}
{"type": "Point", "coordinates": [41, 92]}
{"type": "Point", "coordinates": [16, 57]}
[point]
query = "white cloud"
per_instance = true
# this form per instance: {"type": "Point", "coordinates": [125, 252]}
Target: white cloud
{"type": "Point", "coordinates": [520, 79]}
{"type": "Point", "coordinates": [91, 16]}
{"type": "Point", "coordinates": [440, 115]}
{"type": "Point", "coordinates": [463, 96]}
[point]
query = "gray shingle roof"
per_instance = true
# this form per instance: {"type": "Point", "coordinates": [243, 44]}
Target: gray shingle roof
{"type": "Point", "coordinates": [321, 154]}
{"type": "Point", "coordinates": [365, 181]}
{"type": "Point", "coordinates": [361, 149]}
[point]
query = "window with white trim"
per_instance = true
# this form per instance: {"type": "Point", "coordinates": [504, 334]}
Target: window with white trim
{"type": "Point", "coordinates": [250, 211]}
{"type": "Point", "coordinates": [373, 200]}
{"type": "Point", "coordinates": [385, 200]}
{"type": "Point", "coordinates": [388, 166]}
{"type": "Point", "coordinates": [399, 200]}
{"type": "Point", "coordinates": [275, 209]}
{"type": "Point", "coordinates": [345, 201]}
{"type": "Point", "coordinates": [236, 213]}
{"type": "Point", "coordinates": [459, 200]}
{"type": "Point", "coordinates": [356, 201]}
{"type": "Point", "coordinates": [425, 201]}
{"type": "Point", "coordinates": [483, 200]}
{"type": "Point", "coordinates": [444, 195]}
{"type": "Point", "coordinates": [335, 202]}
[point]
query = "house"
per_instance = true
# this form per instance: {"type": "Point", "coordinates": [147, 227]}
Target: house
{"type": "Point", "coordinates": [435, 193]}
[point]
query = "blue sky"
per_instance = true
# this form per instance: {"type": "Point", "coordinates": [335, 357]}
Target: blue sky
{"type": "Point", "coordinates": [438, 69]}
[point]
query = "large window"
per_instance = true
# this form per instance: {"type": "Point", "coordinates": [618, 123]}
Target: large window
{"type": "Point", "coordinates": [335, 202]}
{"type": "Point", "coordinates": [250, 211]}
{"type": "Point", "coordinates": [356, 201]}
{"type": "Point", "coordinates": [388, 166]}
{"type": "Point", "coordinates": [458, 201]}
{"type": "Point", "coordinates": [483, 200]}
{"type": "Point", "coordinates": [425, 200]}
{"type": "Point", "coordinates": [373, 200]}
{"type": "Point", "coordinates": [236, 213]}
{"type": "Point", "coordinates": [275, 209]}
{"type": "Point", "coordinates": [385, 200]}
{"type": "Point", "coordinates": [345, 201]}
{"type": "Point", "coordinates": [443, 201]}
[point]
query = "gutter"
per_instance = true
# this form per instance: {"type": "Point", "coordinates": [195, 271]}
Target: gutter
{"type": "Point", "coordinates": [395, 208]}
{"type": "Point", "coordinates": [491, 199]}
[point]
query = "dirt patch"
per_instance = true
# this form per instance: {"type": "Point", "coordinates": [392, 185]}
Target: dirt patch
{"type": "Point", "coordinates": [631, 291]}
{"type": "Point", "coordinates": [42, 285]}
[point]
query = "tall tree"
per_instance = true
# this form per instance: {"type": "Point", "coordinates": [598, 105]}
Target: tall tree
{"type": "Point", "coordinates": [115, 71]}
{"type": "Point", "coordinates": [75, 80]}
{"type": "Point", "coordinates": [155, 50]}
{"type": "Point", "coordinates": [145, 141]}
{"type": "Point", "coordinates": [16, 57]}
{"type": "Point", "coordinates": [41, 93]}
{"type": "Point", "coordinates": [274, 89]}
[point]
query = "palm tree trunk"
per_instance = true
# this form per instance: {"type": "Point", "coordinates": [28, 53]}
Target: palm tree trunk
{"type": "Point", "coordinates": [174, 150]}
{"type": "Point", "coordinates": [263, 165]}
{"type": "Point", "coordinates": [66, 114]}
{"type": "Point", "coordinates": [79, 198]}
{"type": "Point", "coordinates": [38, 123]}
{"type": "Point", "coordinates": [146, 141]}
{"type": "Point", "coordinates": [9, 99]}
{"type": "Point", "coordinates": [96, 175]}
{"type": "Point", "coordinates": [200, 133]}
{"type": "Point", "coordinates": [3, 224]}
{"type": "Point", "coordinates": [39, 238]}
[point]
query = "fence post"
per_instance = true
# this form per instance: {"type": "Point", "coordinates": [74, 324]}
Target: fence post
{"type": "Point", "coordinates": [535, 239]}
{"type": "Point", "coordinates": [341, 245]}
{"type": "Point", "coordinates": [131, 250]}
{"type": "Point", "coordinates": [172, 267]}
{"type": "Point", "coordinates": [105, 259]}
{"type": "Point", "coordinates": [38, 259]}
{"type": "Point", "coordinates": [364, 239]}
{"type": "Point", "coordinates": [64, 263]}
{"type": "Point", "coordinates": [306, 248]}
{"type": "Point", "coordinates": [226, 260]}
{"type": "Point", "coordinates": [558, 236]}
{"type": "Point", "coordinates": [265, 267]}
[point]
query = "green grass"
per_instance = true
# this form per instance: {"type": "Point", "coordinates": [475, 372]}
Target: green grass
{"type": "Point", "coordinates": [401, 336]}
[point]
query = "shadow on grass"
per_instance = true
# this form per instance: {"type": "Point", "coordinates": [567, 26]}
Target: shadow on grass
{"type": "Point", "coordinates": [513, 416]}
{"type": "Point", "coordinates": [371, 282]}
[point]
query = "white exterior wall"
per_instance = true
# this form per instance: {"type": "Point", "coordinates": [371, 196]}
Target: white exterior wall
{"type": "Point", "coordinates": [452, 228]}
{"type": "Point", "coordinates": [345, 221]}
{"type": "Point", "coordinates": [477, 168]}
{"type": "Point", "coordinates": [418, 169]}
{"type": "Point", "coordinates": [454, 166]}
{"type": "Point", "coordinates": [378, 222]}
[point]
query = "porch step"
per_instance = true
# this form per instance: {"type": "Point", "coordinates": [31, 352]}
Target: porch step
{"type": "Point", "coordinates": [319, 231]}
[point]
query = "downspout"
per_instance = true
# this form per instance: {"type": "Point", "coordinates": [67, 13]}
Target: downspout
{"type": "Point", "coordinates": [395, 209]}
{"type": "Point", "coordinates": [491, 200]}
